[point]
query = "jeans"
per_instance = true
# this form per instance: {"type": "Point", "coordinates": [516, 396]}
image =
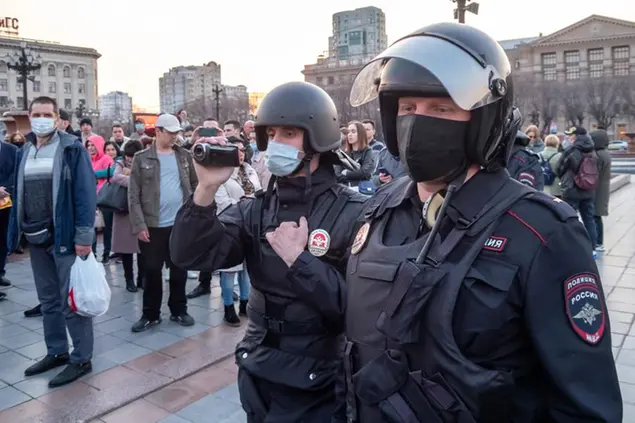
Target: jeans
{"type": "Point", "coordinates": [156, 253]}
{"type": "Point", "coordinates": [107, 233]}
{"type": "Point", "coordinates": [4, 241]}
{"type": "Point", "coordinates": [128, 273]}
{"type": "Point", "coordinates": [599, 225]}
{"type": "Point", "coordinates": [587, 213]}
{"type": "Point", "coordinates": [52, 274]}
{"type": "Point", "coordinates": [227, 286]}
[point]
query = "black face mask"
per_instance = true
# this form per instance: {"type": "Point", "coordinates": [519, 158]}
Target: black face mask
{"type": "Point", "coordinates": [431, 148]}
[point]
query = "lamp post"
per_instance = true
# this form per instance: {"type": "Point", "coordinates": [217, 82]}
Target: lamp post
{"type": "Point", "coordinates": [24, 61]}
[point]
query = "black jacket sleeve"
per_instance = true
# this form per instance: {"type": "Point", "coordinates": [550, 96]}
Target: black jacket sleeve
{"type": "Point", "coordinates": [567, 320]}
{"type": "Point", "coordinates": [365, 171]}
{"type": "Point", "coordinates": [201, 240]}
{"type": "Point", "coordinates": [322, 286]}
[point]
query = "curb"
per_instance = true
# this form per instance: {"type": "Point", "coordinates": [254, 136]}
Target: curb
{"type": "Point", "coordinates": [619, 181]}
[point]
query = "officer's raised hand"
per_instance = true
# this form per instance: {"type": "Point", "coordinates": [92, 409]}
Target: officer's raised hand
{"type": "Point", "coordinates": [211, 176]}
{"type": "Point", "coordinates": [289, 240]}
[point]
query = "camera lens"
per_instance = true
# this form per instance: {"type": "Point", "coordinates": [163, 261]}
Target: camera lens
{"type": "Point", "coordinates": [199, 152]}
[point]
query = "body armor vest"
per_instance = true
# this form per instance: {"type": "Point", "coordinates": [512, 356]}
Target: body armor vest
{"type": "Point", "coordinates": [402, 363]}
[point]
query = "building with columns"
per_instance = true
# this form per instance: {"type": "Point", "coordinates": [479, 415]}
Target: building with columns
{"type": "Point", "coordinates": [68, 74]}
{"type": "Point", "coordinates": [584, 72]}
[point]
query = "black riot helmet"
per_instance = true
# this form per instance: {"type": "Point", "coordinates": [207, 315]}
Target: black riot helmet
{"type": "Point", "coordinates": [447, 60]}
{"type": "Point", "coordinates": [302, 105]}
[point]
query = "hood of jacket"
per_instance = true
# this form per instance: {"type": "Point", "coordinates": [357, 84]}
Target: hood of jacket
{"type": "Point", "coordinates": [600, 139]}
{"type": "Point", "coordinates": [584, 143]}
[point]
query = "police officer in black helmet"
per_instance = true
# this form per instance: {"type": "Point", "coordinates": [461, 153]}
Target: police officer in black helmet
{"type": "Point", "coordinates": [524, 165]}
{"type": "Point", "coordinates": [293, 237]}
{"type": "Point", "coordinates": [471, 297]}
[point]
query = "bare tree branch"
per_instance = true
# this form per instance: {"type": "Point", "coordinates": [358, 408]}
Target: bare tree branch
{"type": "Point", "coordinates": [601, 95]}
{"type": "Point", "coordinates": [573, 103]}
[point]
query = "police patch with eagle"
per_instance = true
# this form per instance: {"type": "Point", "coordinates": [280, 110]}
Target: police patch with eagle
{"type": "Point", "coordinates": [584, 307]}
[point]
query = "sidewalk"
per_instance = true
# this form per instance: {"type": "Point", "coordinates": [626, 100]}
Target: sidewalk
{"type": "Point", "coordinates": [126, 366]}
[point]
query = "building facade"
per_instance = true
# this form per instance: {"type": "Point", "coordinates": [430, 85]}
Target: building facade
{"type": "Point", "coordinates": [182, 86]}
{"type": "Point", "coordinates": [116, 106]}
{"type": "Point", "coordinates": [581, 74]}
{"type": "Point", "coordinates": [68, 74]}
{"type": "Point", "coordinates": [358, 33]}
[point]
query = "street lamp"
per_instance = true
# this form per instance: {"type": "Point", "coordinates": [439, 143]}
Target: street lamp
{"type": "Point", "coordinates": [24, 61]}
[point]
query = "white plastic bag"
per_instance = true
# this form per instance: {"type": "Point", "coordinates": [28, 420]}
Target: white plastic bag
{"type": "Point", "coordinates": [89, 293]}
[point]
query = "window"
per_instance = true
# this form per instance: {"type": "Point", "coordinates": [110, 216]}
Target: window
{"type": "Point", "coordinates": [3, 67]}
{"type": "Point", "coordinates": [51, 71]}
{"type": "Point", "coordinates": [52, 87]}
{"type": "Point", "coordinates": [621, 60]}
{"type": "Point", "coordinates": [36, 86]}
{"type": "Point", "coordinates": [67, 88]}
{"type": "Point", "coordinates": [18, 82]}
{"type": "Point", "coordinates": [549, 67]}
{"type": "Point", "coordinates": [36, 72]}
{"type": "Point", "coordinates": [81, 88]}
{"type": "Point", "coordinates": [67, 72]}
{"type": "Point", "coordinates": [572, 65]}
{"type": "Point", "coordinates": [355, 38]}
{"type": "Point", "coordinates": [596, 62]}
{"type": "Point", "coordinates": [81, 74]}
{"type": "Point", "coordinates": [68, 103]}
{"type": "Point", "coordinates": [4, 85]}
{"type": "Point", "coordinates": [330, 80]}
{"type": "Point", "coordinates": [319, 80]}
{"type": "Point", "coordinates": [19, 101]}
{"type": "Point", "coordinates": [4, 101]}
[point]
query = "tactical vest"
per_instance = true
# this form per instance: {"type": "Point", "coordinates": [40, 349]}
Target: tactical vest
{"type": "Point", "coordinates": [402, 363]}
{"type": "Point", "coordinates": [279, 321]}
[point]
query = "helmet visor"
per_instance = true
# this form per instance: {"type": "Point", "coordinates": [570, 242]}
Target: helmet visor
{"type": "Point", "coordinates": [468, 80]}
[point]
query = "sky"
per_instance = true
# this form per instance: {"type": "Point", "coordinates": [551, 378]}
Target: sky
{"type": "Point", "coordinates": [260, 44]}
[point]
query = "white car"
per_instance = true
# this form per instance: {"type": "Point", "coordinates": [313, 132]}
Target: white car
{"type": "Point", "coordinates": [618, 146]}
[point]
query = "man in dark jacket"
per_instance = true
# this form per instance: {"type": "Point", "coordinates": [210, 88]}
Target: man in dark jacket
{"type": "Point", "coordinates": [603, 191]}
{"type": "Point", "coordinates": [524, 164]}
{"type": "Point", "coordinates": [582, 200]}
{"type": "Point", "coordinates": [8, 154]}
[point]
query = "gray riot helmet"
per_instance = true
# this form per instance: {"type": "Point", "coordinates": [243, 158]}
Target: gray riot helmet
{"type": "Point", "coordinates": [301, 105]}
{"type": "Point", "coordinates": [447, 60]}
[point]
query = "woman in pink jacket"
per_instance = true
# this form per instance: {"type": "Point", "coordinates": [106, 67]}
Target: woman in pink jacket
{"type": "Point", "coordinates": [95, 146]}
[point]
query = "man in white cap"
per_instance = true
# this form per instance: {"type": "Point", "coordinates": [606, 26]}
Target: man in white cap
{"type": "Point", "coordinates": [161, 179]}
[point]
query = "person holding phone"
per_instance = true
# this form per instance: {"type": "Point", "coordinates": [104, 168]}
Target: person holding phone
{"type": "Point", "coordinates": [389, 168]}
{"type": "Point", "coordinates": [293, 238]}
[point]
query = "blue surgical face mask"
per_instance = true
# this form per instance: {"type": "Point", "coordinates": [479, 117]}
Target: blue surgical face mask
{"type": "Point", "coordinates": [140, 127]}
{"type": "Point", "coordinates": [42, 126]}
{"type": "Point", "coordinates": [254, 146]}
{"type": "Point", "coordinates": [281, 159]}
{"type": "Point", "coordinates": [566, 143]}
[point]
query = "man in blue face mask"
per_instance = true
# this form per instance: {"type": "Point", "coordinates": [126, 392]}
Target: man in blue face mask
{"type": "Point", "coordinates": [139, 127]}
{"type": "Point", "coordinates": [294, 239]}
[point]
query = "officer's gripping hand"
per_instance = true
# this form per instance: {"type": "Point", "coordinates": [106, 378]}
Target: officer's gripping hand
{"type": "Point", "coordinates": [289, 240]}
{"type": "Point", "coordinates": [212, 176]}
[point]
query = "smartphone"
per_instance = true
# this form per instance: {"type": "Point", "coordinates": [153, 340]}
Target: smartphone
{"type": "Point", "coordinates": [384, 171]}
{"type": "Point", "coordinates": [208, 132]}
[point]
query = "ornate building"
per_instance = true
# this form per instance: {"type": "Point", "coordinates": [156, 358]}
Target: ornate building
{"type": "Point", "coordinates": [68, 74]}
{"type": "Point", "coordinates": [582, 74]}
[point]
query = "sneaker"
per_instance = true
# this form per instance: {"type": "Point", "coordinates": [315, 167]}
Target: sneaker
{"type": "Point", "coordinates": [144, 324]}
{"type": "Point", "coordinates": [230, 317]}
{"type": "Point", "coordinates": [130, 286]}
{"type": "Point", "coordinates": [4, 281]}
{"type": "Point", "coordinates": [105, 260]}
{"type": "Point", "coordinates": [183, 319]}
{"type": "Point", "coordinates": [47, 363]}
{"type": "Point", "coordinates": [71, 373]}
{"type": "Point", "coordinates": [242, 309]}
{"type": "Point", "coordinates": [199, 291]}
{"type": "Point", "coordinates": [600, 248]}
{"type": "Point", "coordinates": [34, 312]}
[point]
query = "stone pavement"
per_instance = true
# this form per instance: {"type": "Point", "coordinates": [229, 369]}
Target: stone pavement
{"type": "Point", "coordinates": [126, 366]}
{"type": "Point", "coordinates": [163, 385]}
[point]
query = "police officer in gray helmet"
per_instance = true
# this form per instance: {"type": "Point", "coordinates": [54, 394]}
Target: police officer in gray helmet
{"type": "Point", "coordinates": [294, 238]}
{"type": "Point", "coordinates": [471, 297]}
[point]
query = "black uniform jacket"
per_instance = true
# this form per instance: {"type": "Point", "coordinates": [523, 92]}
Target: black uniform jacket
{"type": "Point", "coordinates": [533, 305]}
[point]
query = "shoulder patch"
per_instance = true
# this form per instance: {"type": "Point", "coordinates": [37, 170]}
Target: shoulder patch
{"type": "Point", "coordinates": [527, 178]}
{"type": "Point", "coordinates": [560, 208]}
{"type": "Point", "coordinates": [584, 307]}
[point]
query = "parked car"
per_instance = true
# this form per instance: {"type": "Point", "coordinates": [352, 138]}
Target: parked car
{"type": "Point", "coordinates": [618, 146]}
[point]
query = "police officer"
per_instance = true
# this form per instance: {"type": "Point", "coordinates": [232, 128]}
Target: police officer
{"type": "Point", "coordinates": [487, 306]}
{"type": "Point", "coordinates": [293, 238]}
{"type": "Point", "coordinates": [524, 165]}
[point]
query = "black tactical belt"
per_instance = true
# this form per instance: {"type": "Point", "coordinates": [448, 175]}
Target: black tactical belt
{"type": "Point", "coordinates": [284, 327]}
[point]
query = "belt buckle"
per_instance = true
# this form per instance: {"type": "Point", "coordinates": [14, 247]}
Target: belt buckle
{"type": "Point", "coordinates": [275, 325]}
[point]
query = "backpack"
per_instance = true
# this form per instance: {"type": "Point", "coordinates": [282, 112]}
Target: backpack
{"type": "Point", "coordinates": [587, 178]}
{"type": "Point", "coordinates": [547, 171]}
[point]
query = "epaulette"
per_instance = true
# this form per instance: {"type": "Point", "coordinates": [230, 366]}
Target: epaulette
{"type": "Point", "coordinates": [557, 206]}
